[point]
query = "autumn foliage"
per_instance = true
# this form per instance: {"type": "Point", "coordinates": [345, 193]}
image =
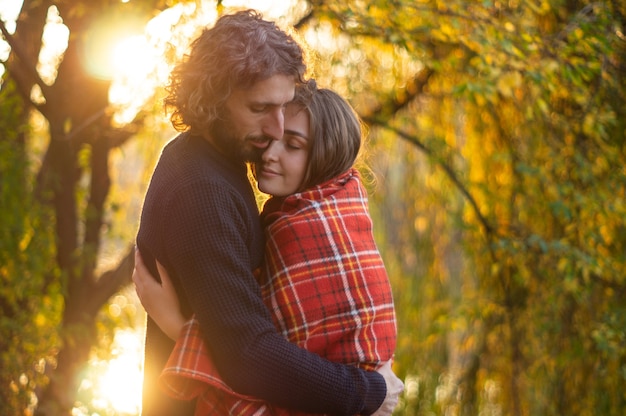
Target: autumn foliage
{"type": "Point", "coordinates": [497, 138]}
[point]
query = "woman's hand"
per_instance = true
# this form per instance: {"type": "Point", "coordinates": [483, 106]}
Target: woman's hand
{"type": "Point", "coordinates": [159, 300]}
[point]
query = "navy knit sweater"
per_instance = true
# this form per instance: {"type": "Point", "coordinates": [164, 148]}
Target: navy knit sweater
{"type": "Point", "coordinates": [200, 220]}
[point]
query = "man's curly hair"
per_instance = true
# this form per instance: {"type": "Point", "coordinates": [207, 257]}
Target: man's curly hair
{"type": "Point", "coordinates": [240, 50]}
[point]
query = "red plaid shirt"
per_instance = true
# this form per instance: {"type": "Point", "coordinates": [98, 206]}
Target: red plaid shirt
{"type": "Point", "coordinates": [325, 284]}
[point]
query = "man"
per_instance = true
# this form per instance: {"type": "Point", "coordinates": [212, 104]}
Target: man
{"type": "Point", "coordinates": [200, 220]}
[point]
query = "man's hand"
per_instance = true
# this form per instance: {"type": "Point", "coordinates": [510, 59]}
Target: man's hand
{"type": "Point", "coordinates": [395, 387]}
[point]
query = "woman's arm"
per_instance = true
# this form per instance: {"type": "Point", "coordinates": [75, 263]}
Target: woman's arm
{"type": "Point", "coordinates": [159, 300]}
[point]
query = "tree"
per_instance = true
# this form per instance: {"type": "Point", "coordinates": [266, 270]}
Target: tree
{"type": "Point", "coordinates": [504, 223]}
{"type": "Point", "coordinates": [60, 210]}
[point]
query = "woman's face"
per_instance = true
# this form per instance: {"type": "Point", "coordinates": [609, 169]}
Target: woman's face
{"type": "Point", "coordinates": [284, 162]}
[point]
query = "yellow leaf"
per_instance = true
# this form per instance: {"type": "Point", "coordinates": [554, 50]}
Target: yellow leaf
{"type": "Point", "coordinates": [508, 82]}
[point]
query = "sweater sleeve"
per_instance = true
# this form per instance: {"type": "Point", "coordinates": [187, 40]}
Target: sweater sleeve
{"type": "Point", "coordinates": [209, 253]}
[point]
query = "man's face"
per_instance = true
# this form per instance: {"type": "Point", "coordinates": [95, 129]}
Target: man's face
{"type": "Point", "coordinates": [253, 117]}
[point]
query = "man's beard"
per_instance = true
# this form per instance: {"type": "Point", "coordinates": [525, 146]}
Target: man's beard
{"type": "Point", "coordinates": [237, 149]}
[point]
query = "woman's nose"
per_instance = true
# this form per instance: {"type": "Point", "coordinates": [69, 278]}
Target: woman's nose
{"type": "Point", "coordinates": [271, 151]}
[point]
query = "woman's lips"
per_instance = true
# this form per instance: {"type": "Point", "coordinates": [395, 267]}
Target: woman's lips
{"type": "Point", "coordinates": [269, 172]}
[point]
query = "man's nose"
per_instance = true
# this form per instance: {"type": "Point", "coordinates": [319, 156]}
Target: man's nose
{"type": "Point", "coordinates": [274, 125]}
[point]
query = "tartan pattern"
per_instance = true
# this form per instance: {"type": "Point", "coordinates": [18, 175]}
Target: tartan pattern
{"type": "Point", "coordinates": [190, 371]}
{"type": "Point", "coordinates": [325, 284]}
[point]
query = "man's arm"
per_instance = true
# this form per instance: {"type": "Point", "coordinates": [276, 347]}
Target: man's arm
{"type": "Point", "coordinates": [209, 253]}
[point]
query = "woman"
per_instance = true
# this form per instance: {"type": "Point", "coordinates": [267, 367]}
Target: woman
{"type": "Point", "coordinates": [323, 278]}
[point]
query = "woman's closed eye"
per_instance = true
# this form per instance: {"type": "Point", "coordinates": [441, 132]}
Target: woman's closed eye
{"type": "Point", "coordinates": [294, 146]}
{"type": "Point", "coordinates": [296, 143]}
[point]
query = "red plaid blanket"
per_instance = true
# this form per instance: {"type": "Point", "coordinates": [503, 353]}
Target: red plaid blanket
{"type": "Point", "coordinates": [325, 284]}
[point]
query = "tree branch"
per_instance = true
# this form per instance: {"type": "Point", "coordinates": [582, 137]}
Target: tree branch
{"type": "Point", "coordinates": [389, 107]}
{"type": "Point", "coordinates": [489, 230]}
{"type": "Point", "coordinates": [94, 212]}
{"type": "Point", "coordinates": [21, 78]}
{"type": "Point", "coordinates": [86, 123]}
{"type": "Point", "coordinates": [111, 281]}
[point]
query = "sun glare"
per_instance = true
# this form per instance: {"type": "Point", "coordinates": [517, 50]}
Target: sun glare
{"type": "Point", "coordinates": [8, 14]}
{"type": "Point", "coordinates": [132, 57]}
{"type": "Point", "coordinates": [137, 70]}
{"type": "Point", "coordinates": [119, 386]}
{"type": "Point", "coordinates": [55, 38]}
{"type": "Point", "coordinates": [137, 63]}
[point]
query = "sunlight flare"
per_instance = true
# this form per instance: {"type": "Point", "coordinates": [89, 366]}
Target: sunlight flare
{"type": "Point", "coordinates": [119, 386]}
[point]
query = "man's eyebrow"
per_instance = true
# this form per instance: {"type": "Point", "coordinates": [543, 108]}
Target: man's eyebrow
{"type": "Point", "coordinates": [266, 103]}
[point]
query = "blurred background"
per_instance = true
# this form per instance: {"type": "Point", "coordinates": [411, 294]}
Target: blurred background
{"type": "Point", "coordinates": [496, 144]}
